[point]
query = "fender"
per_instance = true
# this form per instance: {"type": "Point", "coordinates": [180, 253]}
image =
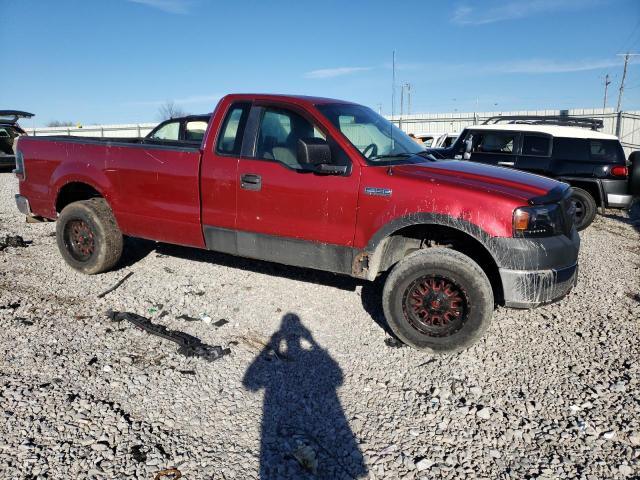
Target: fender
{"type": "Point", "coordinates": [69, 172]}
{"type": "Point", "coordinates": [367, 262]}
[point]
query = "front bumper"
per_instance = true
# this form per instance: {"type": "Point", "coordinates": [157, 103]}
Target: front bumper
{"type": "Point", "coordinates": [529, 289]}
{"type": "Point", "coordinates": [536, 271]}
{"type": "Point", "coordinates": [23, 205]}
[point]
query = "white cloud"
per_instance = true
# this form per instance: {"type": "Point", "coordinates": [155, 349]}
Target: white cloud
{"type": "Point", "coordinates": [177, 101]}
{"type": "Point", "coordinates": [515, 9]}
{"type": "Point", "coordinates": [334, 72]}
{"type": "Point", "coordinates": [534, 66]}
{"type": "Point", "coordinates": [170, 6]}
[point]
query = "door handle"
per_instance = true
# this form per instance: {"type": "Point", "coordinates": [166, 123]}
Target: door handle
{"type": "Point", "coordinates": [250, 181]}
{"type": "Point", "coordinates": [507, 164]}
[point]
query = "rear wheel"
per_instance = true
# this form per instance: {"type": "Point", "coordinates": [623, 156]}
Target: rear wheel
{"type": "Point", "coordinates": [88, 236]}
{"type": "Point", "coordinates": [438, 299]}
{"type": "Point", "coordinates": [586, 208]}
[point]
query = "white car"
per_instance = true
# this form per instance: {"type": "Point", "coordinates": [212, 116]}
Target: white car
{"type": "Point", "coordinates": [437, 140]}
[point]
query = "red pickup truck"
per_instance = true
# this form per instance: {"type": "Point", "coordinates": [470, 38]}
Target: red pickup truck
{"type": "Point", "coordinates": [324, 184]}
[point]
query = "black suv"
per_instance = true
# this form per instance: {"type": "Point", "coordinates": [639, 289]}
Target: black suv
{"type": "Point", "coordinates": [9, 132]}
{"type": "Point", "coordinates": [593, 163]}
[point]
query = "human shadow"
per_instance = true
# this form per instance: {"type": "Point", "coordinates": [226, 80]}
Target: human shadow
{"type": "Point", "coordinates": [305, 433]}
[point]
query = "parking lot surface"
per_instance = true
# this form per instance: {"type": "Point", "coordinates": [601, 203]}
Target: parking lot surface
{"type": "Point", "coordinates": [313, 386]}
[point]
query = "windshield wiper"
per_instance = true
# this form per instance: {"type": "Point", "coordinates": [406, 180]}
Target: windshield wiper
{"type": "Point", "coordinates": [392, 155]}
{"type": "Point", "coordinates": [428, 156]}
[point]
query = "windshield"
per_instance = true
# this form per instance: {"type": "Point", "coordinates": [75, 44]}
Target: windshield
{"type": "Point", "coordinates": [377, 139]}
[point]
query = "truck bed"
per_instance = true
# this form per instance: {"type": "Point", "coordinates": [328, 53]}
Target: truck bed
{"type": "Point", "coordinates": [119, 141]}
{"type": "Point", "coordinates": [152, 188]}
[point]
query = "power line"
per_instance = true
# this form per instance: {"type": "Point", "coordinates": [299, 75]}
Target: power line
{"type": "Point", "coordinates": [625, 44]}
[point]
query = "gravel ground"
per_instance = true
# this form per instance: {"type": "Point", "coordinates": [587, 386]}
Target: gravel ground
{"type": "Point", "coordinates": [312, 380]}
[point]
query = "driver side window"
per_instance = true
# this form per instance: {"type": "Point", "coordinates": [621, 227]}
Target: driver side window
{"type": "Point", "coordinates": [279, 133]}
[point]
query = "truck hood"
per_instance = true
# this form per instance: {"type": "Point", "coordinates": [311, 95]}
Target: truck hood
{"type": "Point", "coordinates": [514, 183]}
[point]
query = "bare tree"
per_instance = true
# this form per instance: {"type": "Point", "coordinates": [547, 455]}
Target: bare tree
{"type": "Point", "coordinates": [57, 123]}
{"type": "Point", "coordinates": [170, 110]}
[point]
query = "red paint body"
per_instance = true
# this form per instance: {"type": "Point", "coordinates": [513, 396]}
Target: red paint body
{"type": "Point", "coordinates": [168, 195]}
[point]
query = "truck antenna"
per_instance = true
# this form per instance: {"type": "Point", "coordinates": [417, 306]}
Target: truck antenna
{"type": "Point", "coordinates": [393, 93]}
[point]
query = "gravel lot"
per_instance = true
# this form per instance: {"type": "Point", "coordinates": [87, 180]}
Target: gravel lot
{"type": "Point", "coordinates": [310, 381]}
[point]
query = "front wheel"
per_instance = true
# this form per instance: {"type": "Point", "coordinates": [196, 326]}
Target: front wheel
{"type": "Point", "coordinates": [88, 236]}
{"type": "Point", "coordinates": [438, 299]}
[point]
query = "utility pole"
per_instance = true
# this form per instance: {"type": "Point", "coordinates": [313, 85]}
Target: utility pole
{"type": "Point", "coordinates": [402, 88]}
{"type": "Point", "coordinates": [401, 105]}
{"type": "Point", "coordinates": [624, 76]}
{"type": "Point", "coordinates": [607, 82]}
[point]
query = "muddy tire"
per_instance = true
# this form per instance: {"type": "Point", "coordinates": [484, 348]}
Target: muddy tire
{"type": "Point", "coordinates": [586, 208]}
{"type": "Point", "coordinates": [88, 236]}
{"type": "Point", "coordinates": [438, 299]}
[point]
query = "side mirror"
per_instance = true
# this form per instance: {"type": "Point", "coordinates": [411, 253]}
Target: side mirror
{"type": "Point", "coordinates": [313, 152]}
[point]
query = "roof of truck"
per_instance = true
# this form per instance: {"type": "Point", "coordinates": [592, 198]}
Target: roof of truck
{"type": "Point", "coordinates": [293, 98]}
{"type": "Point", "coordinates": [555, 130]}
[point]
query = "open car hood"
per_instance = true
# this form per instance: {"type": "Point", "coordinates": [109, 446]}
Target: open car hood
{"type": "Point", "coordinates": [12, 116]}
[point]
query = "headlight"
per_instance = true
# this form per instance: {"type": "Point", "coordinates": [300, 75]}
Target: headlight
{"type": "Point", "coordinates": [542, 221]}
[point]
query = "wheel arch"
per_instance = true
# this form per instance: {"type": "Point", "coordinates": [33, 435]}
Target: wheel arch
{"type": "Point", "coordinates": [398, 238]}
{"type": "Point", "coordinates": [75, 181]}
{"type": "Point", "coordinates": [592, 186]}
{"type": "Point", "coordinates": [74, 191]}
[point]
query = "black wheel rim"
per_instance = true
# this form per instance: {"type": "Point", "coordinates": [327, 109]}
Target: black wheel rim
{"type": "Point", "coordinates": [435, 305]}
{"type": "Point", "coordinates": [79, 240]}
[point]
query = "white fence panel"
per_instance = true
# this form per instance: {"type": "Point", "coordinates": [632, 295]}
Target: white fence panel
{"type": "Point", "coordinates": [626, 125]}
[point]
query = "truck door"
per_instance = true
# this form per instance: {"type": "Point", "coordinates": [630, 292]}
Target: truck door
{"type": "Point", "coordinates": [219, 175]}
{"type": "Point", "coordinates": [287, 214]}
{"type": "Point", "coordinates": [494, 147]}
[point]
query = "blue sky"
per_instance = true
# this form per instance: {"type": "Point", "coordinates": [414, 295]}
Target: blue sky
{"type": "Point", "coordinates": [116, 61]}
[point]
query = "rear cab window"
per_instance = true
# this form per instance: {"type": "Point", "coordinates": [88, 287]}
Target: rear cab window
{"type": "Point", "coordinates": [232, 130]}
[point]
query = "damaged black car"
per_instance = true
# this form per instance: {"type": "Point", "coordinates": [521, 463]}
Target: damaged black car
{"type": "Point", "coordinates": [10, 131]}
